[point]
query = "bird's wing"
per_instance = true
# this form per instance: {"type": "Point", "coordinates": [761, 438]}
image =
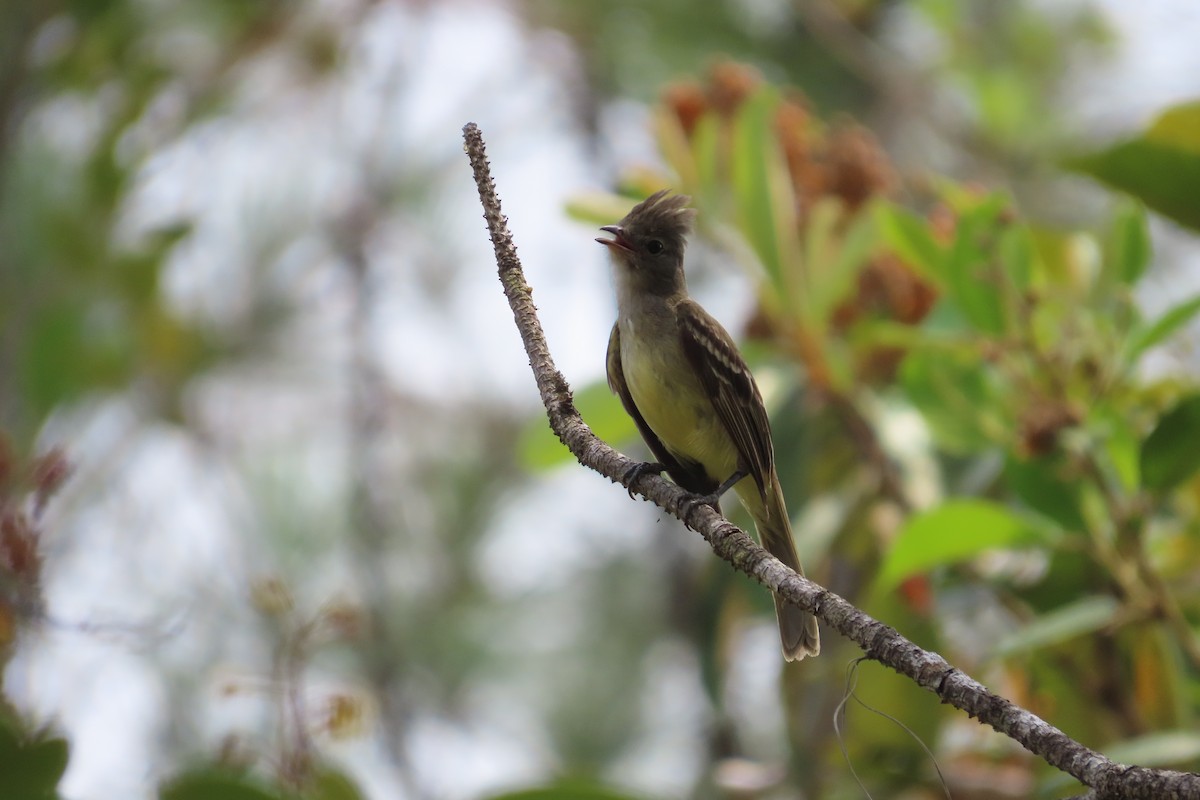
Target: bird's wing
{"type": "Point", "coordinates": [688, 474]}
{"type": "Point", "coordinates": [731, 387]}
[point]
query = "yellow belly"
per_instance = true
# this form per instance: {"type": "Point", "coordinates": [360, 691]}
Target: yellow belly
{"type": "Point", "coordinates": [677, 409]}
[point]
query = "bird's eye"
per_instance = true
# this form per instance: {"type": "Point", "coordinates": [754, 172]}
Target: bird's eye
{"type": "Point", "coordinates": [654, 247]}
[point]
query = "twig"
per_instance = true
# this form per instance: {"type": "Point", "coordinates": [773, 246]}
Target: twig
{"type": "Point", "coordinates": [879, 642]}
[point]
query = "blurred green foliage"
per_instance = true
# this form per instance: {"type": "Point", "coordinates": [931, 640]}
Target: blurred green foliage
{"type": "Point", "coordinates": [31, 763]}
{"type": "Point", "coordinates": [933, 539]}
{"type": "Point", "coordinates": [632, 48]}
{"type": "Point", "coordinates": [1161, 165]}
{"type": "Point", "coordinates": [1019, 347]}
{"type": "Point", "coordinates": [211, 784]}
{"type": "Point", "coordinates": [1008, 61]}
{"type": "Point", "coordinates": [83, 311]}
{"type": "Point", "coordinates": [568, 790]}
{"type": "Point", "coordinates": [223, 784]}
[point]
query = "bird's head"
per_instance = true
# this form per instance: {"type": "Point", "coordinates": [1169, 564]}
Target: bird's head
{"type": "Point", "coordinates": [648, 243]}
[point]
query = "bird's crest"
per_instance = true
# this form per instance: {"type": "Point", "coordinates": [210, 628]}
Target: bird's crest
{"type": "Point", "coordinates": [663, 214]}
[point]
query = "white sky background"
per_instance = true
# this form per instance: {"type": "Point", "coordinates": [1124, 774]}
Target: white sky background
{"type": "Point", "coordinates": [288, 157]}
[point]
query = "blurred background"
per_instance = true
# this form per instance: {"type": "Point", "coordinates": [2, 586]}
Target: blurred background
{"type": "Point", "coordinates": [280, 512]}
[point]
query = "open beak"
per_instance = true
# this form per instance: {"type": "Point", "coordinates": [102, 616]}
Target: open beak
{"type": "Point", "coordinates": [618, 241]}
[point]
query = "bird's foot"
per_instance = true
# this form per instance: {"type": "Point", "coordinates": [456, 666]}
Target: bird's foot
{"type": "Point", "coordinates": [714, 498]}
{"type": "Point", "coordinates": [697, 500]}
{"type": "Point", "coordinates": [637, 471]}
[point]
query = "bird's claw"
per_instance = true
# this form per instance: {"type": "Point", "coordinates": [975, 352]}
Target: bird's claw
{"type": "Point", "coordinates": [637, 471]}
{"type": "Point", "coordinates": [697, 500]}
{"type": "Point", "coordinates": [713, 498]}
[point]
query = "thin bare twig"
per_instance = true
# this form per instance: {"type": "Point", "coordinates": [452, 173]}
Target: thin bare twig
{"type": "Point", "coordinates": [879, 642]}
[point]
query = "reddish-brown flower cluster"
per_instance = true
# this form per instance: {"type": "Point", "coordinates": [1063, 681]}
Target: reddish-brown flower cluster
{"type": "Point", "coordinates": [843, 161]}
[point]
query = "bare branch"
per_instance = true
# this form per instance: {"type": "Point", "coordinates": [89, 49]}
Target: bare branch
{"type": "Point", "coordinates": [1107, 779]}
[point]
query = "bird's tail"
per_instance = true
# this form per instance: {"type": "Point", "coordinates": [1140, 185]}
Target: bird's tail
{"type": "Point", "coordinates": [797, 628]}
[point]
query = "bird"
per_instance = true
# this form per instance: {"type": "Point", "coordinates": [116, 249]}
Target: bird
{"type": "Point", "coordinates": [695, 402]}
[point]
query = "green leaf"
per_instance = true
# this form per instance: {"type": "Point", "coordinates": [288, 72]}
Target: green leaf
{"type": "Point", "coordinates": [539, 449]}
{"type": "Point", "coordinates": [1019, 255]}
{"type": "Point", "coordinates": [834, 255]}
{"type": "Point", "coordinates": [1069, 575]}
{"type": "Point", "coordinates": [765, 200]}
{"type": "Point", "coordinates": [1161, 166]}
{"type": "Point", "coordinates": [951, 533]}
{"type": "Point", "coordinates": [1171, 454]}
{"type": "Point", "coordinates": [1039, 485]}
{"type": "Point", "coordinates": [972, 282]}
{"type": "Point", "coordinates": [30, 765]}
{"type": "Point", "coordinates": [569, 790]}
{"type": "Point", "coordinates": [1129, 249]}
{"type": "Point", "coordinates": [1086, 615]}
{"type": "Point", "coordinates": [1143, 337]}
{"type": "Point", "coordinates": [215, 784]}
{"type": "Point", "coordinates": [57, 364]}
{"type": "Point", "coordinates": [912, 239]}
{"type": "Point", "coordinates": [1162, 749]}
{"type": "Point", "coordinates": [1122, 444]}
{"type": "Point", "coordinates": [332, 785]}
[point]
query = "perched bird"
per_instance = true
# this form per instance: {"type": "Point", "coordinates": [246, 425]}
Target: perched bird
{"type": "Point", "coordinates": [680, 376]}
